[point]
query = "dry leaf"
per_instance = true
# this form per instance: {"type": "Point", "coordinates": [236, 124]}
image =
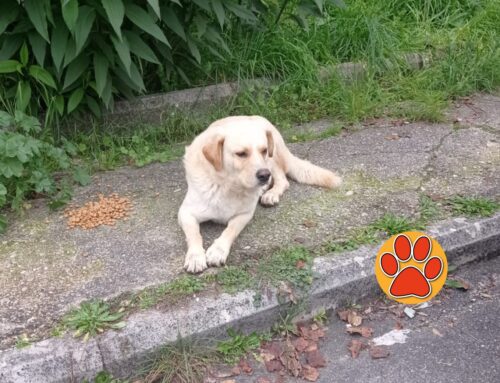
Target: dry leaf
{"type": "Point", "coordinates": [436, 332]}
{"type": "Point", "coordinates": [263, 379]}
{"type": "Point", "coordinates": [273, 348]}
{"type": "Point", "coordinates": [309, 223]}
{"type": "Point", "coordinates": [355, 347]}
{"type": "Point", "coordinates": [313, 346]}
{"type": "Point", "coordinates": [300, 264]}
{"type": "Point", "coordinates": [290, 359]}
{"type": "Point", "coordinates": [378, 352]}
{"type": "Point", "coordinates": [245, 367]}
{"type": "Point", "coordinates": [274, 365]}
{"type": "Point", "coordinates": [365, 332]}
{"type": "Point", "coordinates": [354, 319]}
{"type": "Point", "coordinates": [310, 373]}
{"type": "Point", "coordinates": [315, 359]}
{"type": "Point", "coordinates": [300, 344]}
{"type": "Point", "coordinates": [398, 325]}
{"type": "Point", "coordinates": [343, 315]}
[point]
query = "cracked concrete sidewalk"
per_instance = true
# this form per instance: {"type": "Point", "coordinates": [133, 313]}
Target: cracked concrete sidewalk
{"type": "Point", "coordinates": [46, 268]}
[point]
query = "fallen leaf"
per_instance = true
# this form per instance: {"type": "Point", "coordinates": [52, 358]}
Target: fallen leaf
{"type": "Point", "coordinates": [315, 359]}
{"type": "Point", "coordinates": [354, 319]}
{"type": "Point", "coordinates": [365, 332]}
{"type": "Point", "coordinates": [300, 264]}
{"type": "Point", "coordinates": [312, 346]}
{"type": "Point", "coordinates": [310, 373]}
{"type": "Point", "coordinates": [457, 283]}
{"type": "Point", "coordinates": [223, 373]}
{"type": "Point", "coordinates": [398, 325]}
{"type": "Point", "coordinates": [274, 349]}
{"type": "Point", "coordinates": [355, 346]}
{"type": "Point", "coordinates": [245, 367]}
{"type": "Point", "coordinates": [290, 359]}
{"type": "Point", "coordinates": [300, 344]}
{"type": "Point", "coordinates": [263, 379]}
{"type": "Point", "coordinates": [309, 223]}
{"type": "Point", "coordinates": [229, 381]}
{"type": "Point", "coordinates": [267, 356]}
{"type": "Point", "coordinates": [378, 352]}
{"type": "Point", "coordinates": [274, 365]}
{"type": "Point", "coordinates": [436, 332]}
{"type": "Point", "coordinates": [316, 334]}
{"type": "Point", "coordinates": [343, 315]}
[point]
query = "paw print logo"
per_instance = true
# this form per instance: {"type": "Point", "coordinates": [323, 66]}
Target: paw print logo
{"type": "Point", "coordinates": [411, 267]}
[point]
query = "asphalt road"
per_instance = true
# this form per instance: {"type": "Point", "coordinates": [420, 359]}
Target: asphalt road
{"type": "Point", "coordinates": [456, 339]}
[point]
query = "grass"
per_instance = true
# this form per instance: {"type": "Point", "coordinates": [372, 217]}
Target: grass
{"type": "Point", "coordinates": [23, 341]}
{"type": "Point", "coordinates": [292, 265]}
{"type": "Point", "coordinates": [391, 224]}
{"type": "Point", "coordinates": [183, 362]}
{"type": "Point", "coordinates": [106, 377]}
{"type": "Point", "coordinates": [182, 286]}
{"type": "Point", "coordinates": [429, 210]}
{"type": "Point", "coordinates": [462, 36]}
{"type": "Point", "coordinates": [234, 278]}
{"type": "Point", "coordinates": [92, 318]}
{"type": "Point", "coordinates": [473, 206]}
{"type": "Point", "coordinates": [238, 345]}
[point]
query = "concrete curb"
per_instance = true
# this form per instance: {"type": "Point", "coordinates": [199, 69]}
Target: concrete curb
{"type": "Point", "coordinates": [348, 276]}
{"type": "Point", "coordinates": [152, 108]}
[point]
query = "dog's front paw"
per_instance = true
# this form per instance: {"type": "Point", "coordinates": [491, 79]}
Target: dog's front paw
{"type": "Point", "coordinates": [217, 254]}
{"type": "Point", "coordinates": [270, 198]}
{"type": "Point", "coordinates": [195, 261]}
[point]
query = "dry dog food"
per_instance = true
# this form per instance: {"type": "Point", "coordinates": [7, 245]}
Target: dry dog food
{"type": "Point", "coordinates": [106, 211]}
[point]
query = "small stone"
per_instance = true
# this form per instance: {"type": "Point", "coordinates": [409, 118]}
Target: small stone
{"type": "Point", "coordinates": [349, 193]}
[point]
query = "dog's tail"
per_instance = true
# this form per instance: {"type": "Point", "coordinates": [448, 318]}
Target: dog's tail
{"type": "Point", "coordinates": [304, 172]}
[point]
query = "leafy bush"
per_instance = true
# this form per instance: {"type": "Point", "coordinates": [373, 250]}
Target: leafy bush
{"type": "Point", "coordinates": [58, 56]}
{"type": "Point", "coordinates": [27, 164]}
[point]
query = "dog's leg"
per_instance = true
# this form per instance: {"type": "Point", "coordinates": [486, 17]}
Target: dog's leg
{"type": "Point", "coordinates": [280, 184]}
{"type": "Point", "coordinates": [218, 252]}
{"type": "Point", "coordinates": [195, 261]}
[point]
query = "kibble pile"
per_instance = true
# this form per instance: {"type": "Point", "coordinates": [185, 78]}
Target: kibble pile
{"type": "Point", "coordinates": [106, 211]}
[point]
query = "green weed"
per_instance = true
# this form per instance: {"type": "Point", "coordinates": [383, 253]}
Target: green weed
{"type": "Point", "coordinates": [358, 237]}
{"type": "Point", "coordinates": [23, 341]}
{"type": "Point", "coordinates": [106, 377]}
{"type": "Point", "coordinates": [182, 286]}
{"type": "Point", "coordinates": [392, 224]}
{"type": "Point", "coordinates": [238, 345]}
{"type": "Point", "coordinates": [234, 278]}
{"type": "Point", "coordinates": [473, 206]}
{"type": "Point", "coordinates": [429, 210]}
{"type": "Point", "coordinates": [293, 265]}
{"type": "Point", "coordinates": [184, 361]}
{"type": "Point", "coordinates": [92, 318]}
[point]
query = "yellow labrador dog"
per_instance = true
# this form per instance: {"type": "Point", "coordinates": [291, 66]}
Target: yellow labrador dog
{"type": "Point", "coordinates": [229, 166]}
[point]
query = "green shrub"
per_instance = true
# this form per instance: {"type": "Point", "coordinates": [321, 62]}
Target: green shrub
{"type": "Point", "coordinates": [59, 56]}
{"type": "Point", "coordinates": [27, 164]}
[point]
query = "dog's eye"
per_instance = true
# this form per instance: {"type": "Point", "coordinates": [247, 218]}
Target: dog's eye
{"type": "Point", "coordinates": [264, 152]}
{"type": "Point", "coordinates": [241, 154]}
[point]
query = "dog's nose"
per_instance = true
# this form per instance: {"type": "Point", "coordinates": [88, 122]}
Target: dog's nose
{"type": "Point", "coordinates": [263, 175]}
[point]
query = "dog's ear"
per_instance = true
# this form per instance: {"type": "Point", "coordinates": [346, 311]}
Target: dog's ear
{"type": "Point", "coordinates": [270, 143]}
{"type": "Point", "coordinates": [213, 151]}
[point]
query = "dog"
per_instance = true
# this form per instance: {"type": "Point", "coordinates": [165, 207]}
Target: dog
{"type": "Point", "coordinates": [230, 166]}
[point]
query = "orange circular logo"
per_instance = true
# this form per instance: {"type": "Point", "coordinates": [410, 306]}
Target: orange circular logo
{"type": "Point", "coordinates": [411, 267]}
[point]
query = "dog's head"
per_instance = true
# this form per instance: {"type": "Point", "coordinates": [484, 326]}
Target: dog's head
{"type": "Point", "coordinates": [241, 153]}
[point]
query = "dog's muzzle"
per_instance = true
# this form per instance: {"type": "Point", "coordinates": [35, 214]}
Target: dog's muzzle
{"type": "Point", "coordinates": [263, 176]}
